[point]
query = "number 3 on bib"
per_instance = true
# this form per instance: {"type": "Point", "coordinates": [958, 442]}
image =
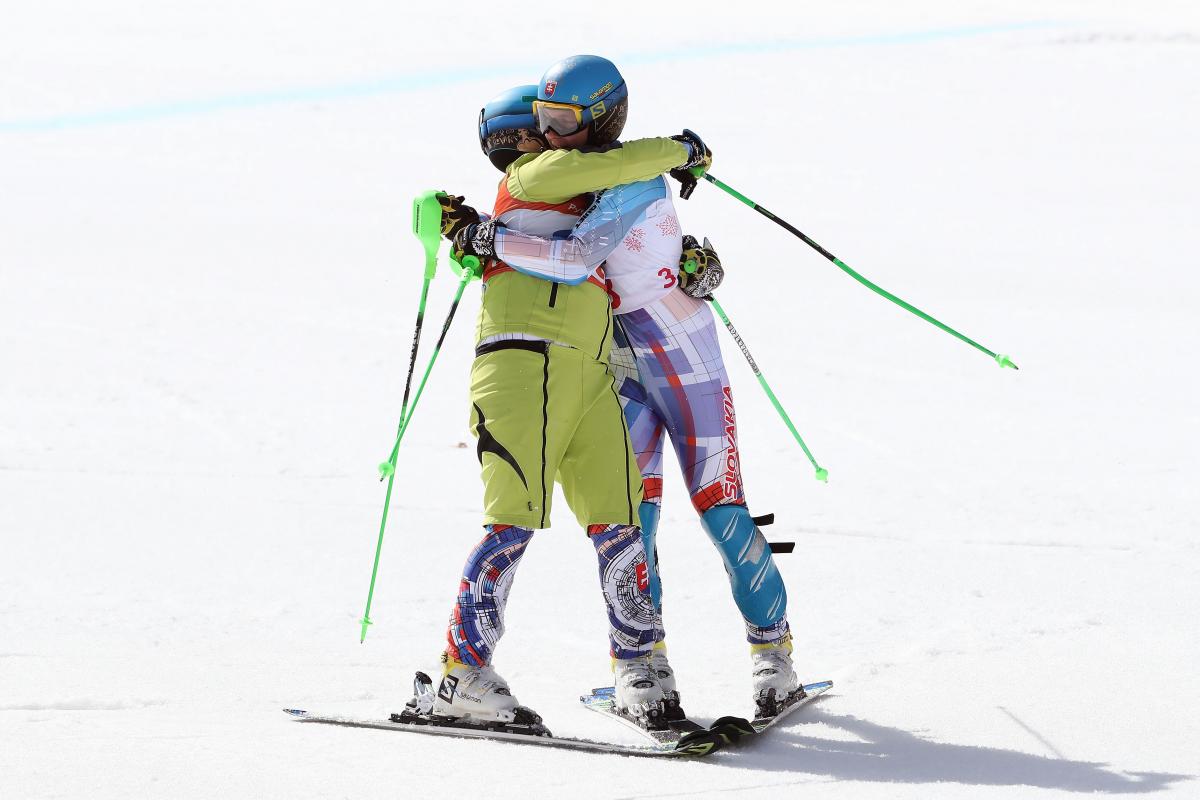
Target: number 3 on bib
{"type": "Point", "coordinates": [668, 276]}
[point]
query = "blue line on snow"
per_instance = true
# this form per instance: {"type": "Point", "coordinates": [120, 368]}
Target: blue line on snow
{"type": "Point", "coordinates": [410, 83]}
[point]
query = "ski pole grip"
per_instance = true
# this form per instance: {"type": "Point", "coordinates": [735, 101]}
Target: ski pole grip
{"type": "Point", "coordinates": [468, 268]}
{"type": "Point", "coordinates": [427, 227]}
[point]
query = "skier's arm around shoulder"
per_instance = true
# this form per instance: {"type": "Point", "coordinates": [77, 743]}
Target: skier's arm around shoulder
{"type": "Point", "coordinates": [558, 175]}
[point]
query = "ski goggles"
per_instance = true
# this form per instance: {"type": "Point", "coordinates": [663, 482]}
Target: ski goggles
{"type": "Point", "coordinates": [507, 122]}
{"type": "Point", "coordinates": [563, 118]}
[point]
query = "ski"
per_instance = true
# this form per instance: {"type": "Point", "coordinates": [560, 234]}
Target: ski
{"type": "Point", "coordinates": [732, 729]}
{"type": "Point", "coordinates": [683, 738]}
{"type": "Point", "coordinates": [728, 729]}
{"type": "Point", "coordinates": [695, 745]}
{"type": "Point", "coordinates": [811, 692]}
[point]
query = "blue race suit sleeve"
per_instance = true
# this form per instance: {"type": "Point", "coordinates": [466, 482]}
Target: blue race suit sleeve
{"type": "Point", "coordinates": [572, 257]}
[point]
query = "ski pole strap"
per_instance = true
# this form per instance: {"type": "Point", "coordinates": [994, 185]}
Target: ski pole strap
{"type": "Point", "coordinates": [1002, 360]}
{"type": "Point", "coordinates": [822, 474]}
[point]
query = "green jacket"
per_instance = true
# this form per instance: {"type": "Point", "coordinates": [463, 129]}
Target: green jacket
{"type": "Point", "coordinates": [559, 175]}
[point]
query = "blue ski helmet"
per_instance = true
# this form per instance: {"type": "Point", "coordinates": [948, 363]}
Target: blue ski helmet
{"type": "Point", "coordinates": [507, 129]}
{"type": "Point", "coordinates": [583, 92]}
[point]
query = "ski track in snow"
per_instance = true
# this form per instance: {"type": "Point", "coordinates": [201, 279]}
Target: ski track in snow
{"type": "Point", "coordinates": [83, 704]}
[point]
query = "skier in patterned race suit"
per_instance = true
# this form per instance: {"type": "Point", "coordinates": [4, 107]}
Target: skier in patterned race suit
{"type": "Point", "coordinates": [543, 407]}
{"type": "Point", "coordinates": [672, 381]}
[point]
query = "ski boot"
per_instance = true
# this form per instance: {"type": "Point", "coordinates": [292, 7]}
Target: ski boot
{"type": "Point", "coordinates": [776, 685]}
{"type": "Point", "coordinates": [666, 679]}
{"type": "Point", "coordinates": [638, 694]}
{"type": "Point", "coordinates": [478, 694]}
{"type": "Point", "coordinates": [430, 708]}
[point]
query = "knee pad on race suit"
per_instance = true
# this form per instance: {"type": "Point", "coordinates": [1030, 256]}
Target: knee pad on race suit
{"type": "Point", "coordinates": [477, 620]}
{"type": "Point", "coordinates": [757, 585]}
{"type": "Point", "coordinates": [624, 581]}
{"type": "Point", "coordinates": [648, 515]}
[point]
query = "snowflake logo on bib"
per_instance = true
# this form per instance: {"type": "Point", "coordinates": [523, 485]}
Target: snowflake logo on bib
{"type": "Point", "coordinates": [669, 226]}
{"type": "Point", "coordinates": [634, 240]}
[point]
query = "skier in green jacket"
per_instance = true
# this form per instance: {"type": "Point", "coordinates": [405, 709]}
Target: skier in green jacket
{"type": "Point", "coordinates": [543, 406]}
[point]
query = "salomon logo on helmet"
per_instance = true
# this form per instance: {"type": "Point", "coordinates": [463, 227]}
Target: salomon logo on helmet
{"type": "Point", "coordinates": [595, 85]}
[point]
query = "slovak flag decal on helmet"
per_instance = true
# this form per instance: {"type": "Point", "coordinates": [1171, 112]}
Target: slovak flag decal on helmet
{"type": "Point", "coordinates": [550, 86]}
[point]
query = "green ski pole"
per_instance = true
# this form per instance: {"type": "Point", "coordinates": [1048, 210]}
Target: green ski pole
{"type": "Point", "coordinates": [427, 218]}
{"type": "Point", "coordinates": [822, 474]}
{"type": "Point", "coordinates": [469, 273]}
{"type": "Point", "coordinates": [388, 468]}
{"type": "Point", "coordinates": [427, 228]}
{"type": "Point", "coordinates": [1002, 360]}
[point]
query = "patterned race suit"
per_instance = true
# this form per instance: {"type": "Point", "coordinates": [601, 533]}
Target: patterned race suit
{"type": "Point", "coordinates": [672, 381]}
{"type": "Point", "coordinates": [544, 408]}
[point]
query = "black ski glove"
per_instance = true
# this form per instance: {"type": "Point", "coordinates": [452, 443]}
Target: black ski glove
{"type": "Point", "coordinates": [456, 214]}
{"type": "Point", "coordinates": [701, 155]}
{"type": "Point", "coordinates": [477, 239]}
{"type": "Point", "coordinates": [687, 182]}
{"type": "Point", "coordinates": [707, 272]}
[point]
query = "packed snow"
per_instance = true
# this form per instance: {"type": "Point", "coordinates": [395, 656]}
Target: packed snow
{"type": "Point", "coordinates": [207, 288]}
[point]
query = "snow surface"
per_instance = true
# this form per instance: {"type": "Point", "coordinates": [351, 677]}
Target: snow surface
{"type": "Point", "coordinates": [207, 285]}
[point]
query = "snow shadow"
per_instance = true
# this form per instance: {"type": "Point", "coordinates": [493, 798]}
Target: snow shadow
{"type": "Point", "coordinates": [893, 755]}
